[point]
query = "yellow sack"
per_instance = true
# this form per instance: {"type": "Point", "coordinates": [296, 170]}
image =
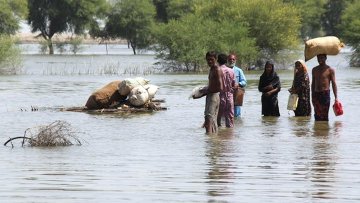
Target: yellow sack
{"type": "Point", "coordinates": [329, 45]}
{"type": "Point", "coordinates": [292, 102]}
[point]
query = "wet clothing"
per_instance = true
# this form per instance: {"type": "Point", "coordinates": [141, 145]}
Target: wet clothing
{"type": "Point", "coordinates": [211, 111]}
{"type": "Point", "coordinates": [226, 97]}
{"type": "Point", "coordinates": [321, 102]}
{"type": "Point", "coordinates": [241, 80]}
{"type": "Point", "coordinates": [237, 111]}
{"type": "Point", "coordinates": [302, 86]}
{"type": "Point", "coordinates": [269, 104]}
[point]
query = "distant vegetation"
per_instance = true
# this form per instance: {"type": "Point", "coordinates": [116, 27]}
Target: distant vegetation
{"type": "Point", "coordinates": [181, 31]}
{"type": "Point", "coordinates": [10, 13]}
{"type": "Point", "coordinates": [9, 56]}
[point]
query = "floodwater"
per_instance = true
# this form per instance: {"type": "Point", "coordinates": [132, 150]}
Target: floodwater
{"type": "Point", "coordinates": [166, 156]}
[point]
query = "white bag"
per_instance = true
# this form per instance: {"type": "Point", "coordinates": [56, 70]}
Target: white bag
{"type": "Point", "coordinates": [292, 102]}
{"type": "Point", "coordinates": [151, 89]}
{"type": "Point", "coordinates": [129, 83]}
{"type": "Point", "coordinates": [198, 92]}
{"type": "Point", "coordinates": [138, 96]}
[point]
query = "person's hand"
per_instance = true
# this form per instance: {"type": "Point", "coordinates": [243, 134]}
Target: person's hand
{"type": "Point", "coordinates": [203, 90]}
{"type": "Point", "coordinates": [236, 86]}
{"type": "Point", "coordinates": [267, 94]}
{"type": "Point", "coordinates": [268, 88]}
{"type": "Point", "coordinates": [291, 90]}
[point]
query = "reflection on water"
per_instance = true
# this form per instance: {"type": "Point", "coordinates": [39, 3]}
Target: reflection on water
{"type": "Point", "coordinates": [166, 156]}
{"type": "Point", "coordinates": [270, 125]}
{"type": "Point", "coordinates": [301, 125]}
{"type": "Point", "coordinates": [221, 167]}
{"type": "Point", "coordinates": [323, 163]}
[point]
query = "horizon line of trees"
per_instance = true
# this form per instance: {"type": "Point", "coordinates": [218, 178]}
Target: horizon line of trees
{"type": "Point", "coordinates": [181, 31]}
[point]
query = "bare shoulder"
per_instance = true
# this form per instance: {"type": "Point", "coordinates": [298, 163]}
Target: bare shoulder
{"type": "Point", "coordinates": [219, 71]}
{"type": "Point", "coordinates": [215, 71]}
{"type": "Point", "coordinates": [315, 69]}
{"type": "Point", "coordinates": [331, 69]}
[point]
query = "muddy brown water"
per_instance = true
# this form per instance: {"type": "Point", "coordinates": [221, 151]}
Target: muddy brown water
{"type": "Point", "coordinates": [165, 156]}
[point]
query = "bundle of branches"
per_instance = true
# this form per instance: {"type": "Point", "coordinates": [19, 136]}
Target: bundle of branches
{"type": "Point", "coordinates": [58, 133]}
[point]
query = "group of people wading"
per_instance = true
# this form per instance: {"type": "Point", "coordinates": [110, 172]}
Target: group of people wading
{"type": "Point", "coordinates": [225, 78]}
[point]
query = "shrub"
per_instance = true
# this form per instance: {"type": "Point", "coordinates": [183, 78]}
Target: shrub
{"type": "Point", "coordinates": [10, 60]}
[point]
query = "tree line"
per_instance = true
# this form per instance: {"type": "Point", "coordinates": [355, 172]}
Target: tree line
{"type": "Point", "coordinates": [181, 31]}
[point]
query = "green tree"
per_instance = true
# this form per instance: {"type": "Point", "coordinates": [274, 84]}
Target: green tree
{"type": "Point", "coordinates": [160, 7]}
{"type": "Point", "coordinates": [350, 27]}
{"type": "Point", "coordinates": [132, 20]}
{"type": "Point", "coordinates": [172, 9]}
{"type": "Point", "coordinates": [51, 17]}
{"type": "Point", "coordinates": [311, 13]}
{"type": "Point", "coordinates": [178, 8]}
{"type": "Point", "coordinates": [11, 11]}
{"type": "Point", "coordinates": [182, 45]}
{"type": "Point", "coordinates": [274, 24]}
{"type": "Point", "coordinates": [331, 19]}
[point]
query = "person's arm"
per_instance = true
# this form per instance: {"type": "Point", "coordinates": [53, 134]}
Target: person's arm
{"type": "Point", "coordinates": [299, 85]}
{"type": "Point", "coordinates": [333, 83]}
{"type": "Point", "coordinates": [242, 79]}
{"type": "Point", "coordinates": [275, 88]}
{"type": "Point", "coordinates": [216, 84]}
{"type": "Point", "coordinates": [233, 83]}
{"type": "Point", "coordinates": [260, 86]}
{"type": "Point", "coordinates": [264, 89]}
{"type": "Point", "coordinates": [273, 91]}
{"type": "Point", "coordinates": [220, 80]}
{"type": "Point", "coordinates": [313, 83]}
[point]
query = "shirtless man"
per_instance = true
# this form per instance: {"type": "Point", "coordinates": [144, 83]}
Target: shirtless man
{"type": "Point", "coordinates": [212, 93]}
{"type": "Point", "coordinates": [322, 75]}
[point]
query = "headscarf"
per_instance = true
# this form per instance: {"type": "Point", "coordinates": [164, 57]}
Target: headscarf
{"type": "Point", "coordinates": [298, 78]}
{"type": "Point", "coordinates": [302, 62]}
{"type": "Point", "coordinates": [272, 79]}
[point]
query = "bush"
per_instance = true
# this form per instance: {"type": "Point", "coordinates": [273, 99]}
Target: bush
{"type": "Point", "coordinates": [75, 44]}
{"type": "Point", "coordinates": [183, 45]}
{"type": "Point", "coordinates": [61, 46]}
{"type": "Point", "coordinates": [10, 60]}
{"type": "Point", "coordinates": [43, 46]}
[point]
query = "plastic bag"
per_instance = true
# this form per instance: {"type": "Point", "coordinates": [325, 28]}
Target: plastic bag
{"type": "Point", "coordinates": [338, 109]}
{"type": "Point", "coordinates": [292, 102]}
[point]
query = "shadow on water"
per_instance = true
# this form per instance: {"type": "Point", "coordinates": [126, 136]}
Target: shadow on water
{"type": "Point", "coordinates": [221, 158]}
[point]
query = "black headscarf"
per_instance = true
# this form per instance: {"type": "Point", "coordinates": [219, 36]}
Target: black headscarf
{"type": "Point", "coordinates": [272, 78]}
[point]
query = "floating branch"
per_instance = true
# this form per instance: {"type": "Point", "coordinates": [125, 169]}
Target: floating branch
{"type": "Point", "coordinates": [15, 138]}
{"type": "Point", "coordinates": [154, 105]}
{"type": "Point", "coordinates": [58, 133]}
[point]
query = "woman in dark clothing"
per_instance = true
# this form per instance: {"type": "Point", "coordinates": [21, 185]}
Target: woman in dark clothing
{"type": "Point", "coordinates": [270, 86]}
{"type": "Point", "coordinates": [301, 87]}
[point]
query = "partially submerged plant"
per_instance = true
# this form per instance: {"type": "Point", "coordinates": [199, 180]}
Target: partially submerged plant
{"type": "Point", "coordinates": [58, 133]}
